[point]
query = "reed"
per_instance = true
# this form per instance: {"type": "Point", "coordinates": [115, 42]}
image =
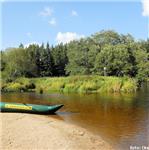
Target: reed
{"type": "Point", "coordinates": [77, 84]}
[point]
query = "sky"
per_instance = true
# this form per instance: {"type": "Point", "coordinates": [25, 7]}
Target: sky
{"type": "Point", "coordinates": [55, 22]}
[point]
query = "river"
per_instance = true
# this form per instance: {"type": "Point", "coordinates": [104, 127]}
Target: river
{"type": "Point", "coordinates": [120, 119]}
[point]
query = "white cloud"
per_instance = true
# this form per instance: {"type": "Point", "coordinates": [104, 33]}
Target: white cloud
{"type": "Point", "coordinates": [74, 13]}
{"type": "Point", "coordinates": [29, 34]}
{"type": "Point", "coordinates": [67, 37]}
{"type": "Point", "coordinates": [46, 12]}
{"type": "Point", "coordinates": [145, 4]}
{"type": "Point", "coordinates": [52, 21]}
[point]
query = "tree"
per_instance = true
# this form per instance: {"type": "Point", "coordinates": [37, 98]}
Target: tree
{"type": "Point", "coordinates": [142, 64]}
{"type": "Point", "coordinates": [115, 59]}
{"type": "Point", "coordinates": [81, 55]}
{"type": "Point", "coordinates": [106, 37]}
{"type": "Point", "coordinates": [31, 54]}
{"type": "Point", "coordinates": [17, 63]}
{"type": "Point", "coordinates": [48, 61]}
{"type": "Point", "coordinates": [59, 54]}
{"type": "Point", "coordinates": [119, 54]}
{"type": "Point", "coordinates": [21, 45]}
{"type": "Point", "coordinates": [3, 61]}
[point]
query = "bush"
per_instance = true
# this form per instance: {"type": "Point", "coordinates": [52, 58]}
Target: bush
{"type": "Point", "coordinates": [28, 83]}
{"type": "Point", "coordinates": [81, 84]}
{"type": "Point", "coordinates": [129, 86]}
{"type": "Point", "coordinates": [88, 86]}
{"type": "Point", "coordinates": [70, 87]}
{"type": "Point", "coordinates": [14, 87]}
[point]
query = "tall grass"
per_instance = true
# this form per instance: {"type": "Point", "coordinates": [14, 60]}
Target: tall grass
{"type": "Point", "coordinates": [78, 84]}
{"type": "Point", "coordinates": [19, 85]}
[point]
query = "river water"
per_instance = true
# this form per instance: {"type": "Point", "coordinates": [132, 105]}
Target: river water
{"type": "Point", "coordinates": [120, 119]}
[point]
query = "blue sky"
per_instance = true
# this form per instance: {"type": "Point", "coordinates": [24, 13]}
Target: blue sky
{"type": "Point", "coordinates": [37, 22]}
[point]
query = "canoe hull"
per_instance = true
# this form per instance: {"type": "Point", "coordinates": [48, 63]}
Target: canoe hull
{"type": "Point", "coordinates": [28, 108]}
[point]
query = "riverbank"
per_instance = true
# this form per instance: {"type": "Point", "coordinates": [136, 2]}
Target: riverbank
{"type": "Point", "coordinates": [28, 131]}
{"type": "Point", "coordinates": [77, 84]}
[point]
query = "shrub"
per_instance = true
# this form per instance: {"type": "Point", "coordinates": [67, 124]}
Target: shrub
{"type": "Point", "coordinates": [129, 86]}
{"type": "Point", "coordinates": [14, 87]}
{"type": "Point", "coordinates": [81, 84]}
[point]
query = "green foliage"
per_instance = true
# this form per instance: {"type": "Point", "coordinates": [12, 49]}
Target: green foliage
{"type": "Point", "coordinates": [28, 83]}
{"type": "Point", "coordinates": [88, 86]}
{"type": "Point", "coordinates": [19, 85]}
{"type": "Point", "coordinates": [57, 86]}
{"type": "Point", "coordinates": [2, 60]}
{"type": "Point", "coordinates": [115, 59]}
{"type": "Point", "coordinates": [60, 59]}
{"type": "Point", "coordinates": [18, 63]}
{"type": "Point", "coordinates": [78, 84]}
{"type": "Point", "coordinates": [103, 53]}
{"type": "Point", "coordinates": [129, 86]}
{"type": "Point", "coordinates": [13, 87]}
{"type": "Point", "coordinates": [112, 84]}
{"type": "Point", "coordinates": [106, 37]}
{"type": "Point", "coordinates": [110, 50]}
{"type": "Point", "coordinates": [81, 56]}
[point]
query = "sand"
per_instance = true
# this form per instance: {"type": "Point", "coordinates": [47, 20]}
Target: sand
{"type": "Point", "coordinates": [40, 132]}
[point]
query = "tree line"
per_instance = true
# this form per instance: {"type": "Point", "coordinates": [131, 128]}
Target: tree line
{"type": "Point", "coordinates": [103, 53]}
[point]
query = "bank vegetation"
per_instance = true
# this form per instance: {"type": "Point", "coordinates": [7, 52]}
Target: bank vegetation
{"type": "Point", "coordinates": [78, 65]}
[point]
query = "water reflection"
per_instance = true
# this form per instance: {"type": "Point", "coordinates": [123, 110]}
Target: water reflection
{"type": "Point", "coordinates": [121, 119]}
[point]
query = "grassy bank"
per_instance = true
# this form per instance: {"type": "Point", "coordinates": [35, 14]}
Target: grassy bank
{"type": "Point", "coordinates": [77, 84]}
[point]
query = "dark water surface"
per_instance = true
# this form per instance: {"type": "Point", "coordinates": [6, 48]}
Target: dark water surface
{"type": "Point", "coordinates": [120, 119]}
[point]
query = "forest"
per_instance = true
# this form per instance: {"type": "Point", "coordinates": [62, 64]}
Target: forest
{"type": "Point", "coordinates": [105, 53]}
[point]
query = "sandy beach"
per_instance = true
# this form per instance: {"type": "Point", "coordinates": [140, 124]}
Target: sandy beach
{"type": "Point", "coordinates": [39, 132]}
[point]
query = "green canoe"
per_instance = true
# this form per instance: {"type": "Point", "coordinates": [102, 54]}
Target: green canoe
{"type": "Point", "coordinates": [28, 108]}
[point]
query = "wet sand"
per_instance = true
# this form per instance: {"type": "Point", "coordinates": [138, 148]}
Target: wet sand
{"type": "Point", "coordinates": [39, 132]}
